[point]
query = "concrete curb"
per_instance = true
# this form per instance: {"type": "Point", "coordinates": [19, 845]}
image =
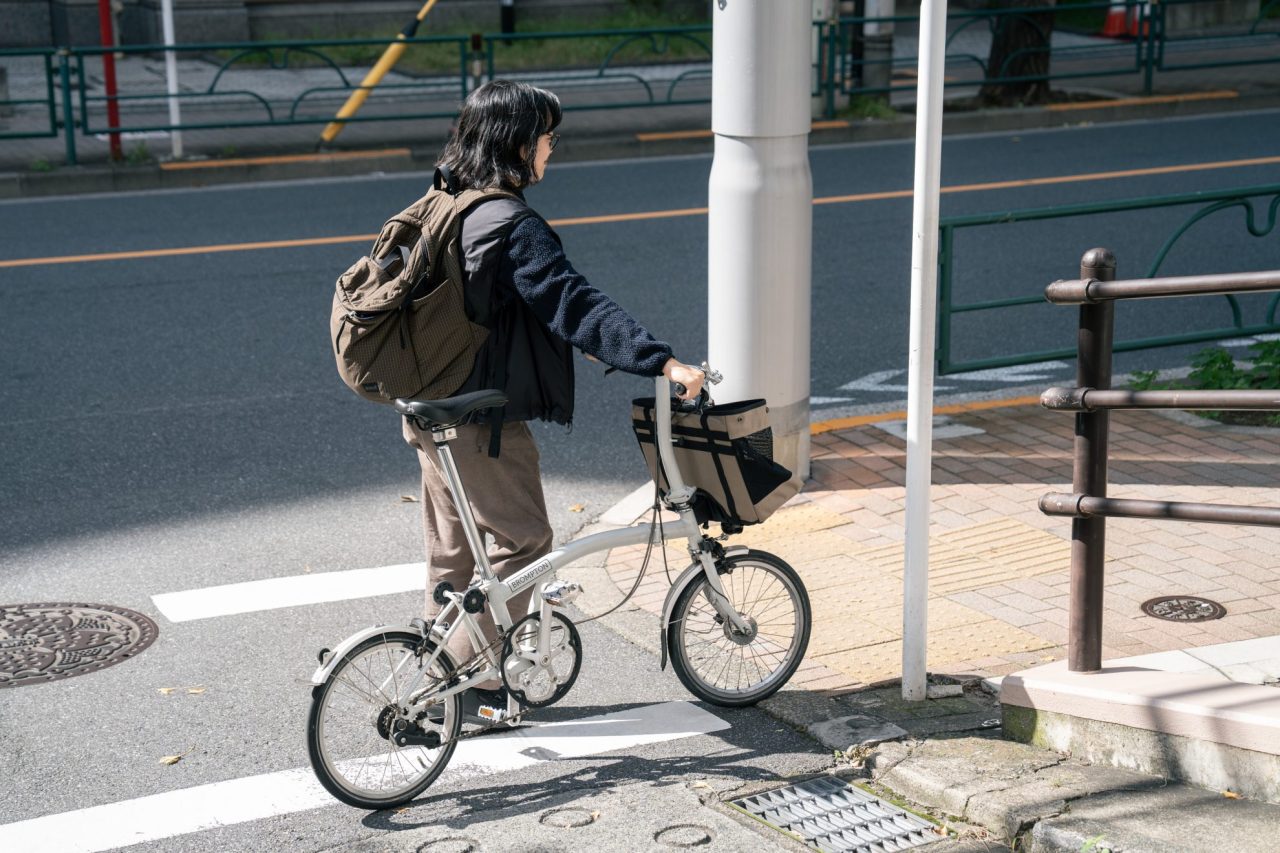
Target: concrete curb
{"type": "Point", "coordinates": [610, 145]}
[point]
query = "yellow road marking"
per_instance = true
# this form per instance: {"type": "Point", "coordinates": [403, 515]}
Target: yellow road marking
{"type": "Point", "coordinates": [1059, 179]}
{"type": "Point", "coordinates": [285, 158]}
{"type": "Point", "coordinates": [954, 409]}
{"type": "Point", "coordinates": [188, 250]}
{"type": "Point", "coordinates": [1222, 94]}
{"type": "Point", "coordinates": [650, 214]}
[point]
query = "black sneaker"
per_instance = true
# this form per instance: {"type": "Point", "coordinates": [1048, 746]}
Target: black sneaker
{"type": "Point", "coordinates": [480, 707]}
{"type": "Point", "coordinates": [484, 707]}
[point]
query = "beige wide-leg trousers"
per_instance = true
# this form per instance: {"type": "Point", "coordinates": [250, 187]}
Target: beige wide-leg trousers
{"type": "Point", "coordinates": [506, 500]}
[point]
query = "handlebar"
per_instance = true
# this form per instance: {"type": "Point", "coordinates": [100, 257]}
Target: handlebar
{"type": "Point", "coordinates": [679, 492]}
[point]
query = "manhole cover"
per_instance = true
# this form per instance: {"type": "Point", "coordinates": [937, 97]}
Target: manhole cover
{"type": "Point", "coordinates": [44, 642]}
{"type": "Point", "coordinates": [1183, 608]}
{"type": "Point", "coordinates": [832, 815]}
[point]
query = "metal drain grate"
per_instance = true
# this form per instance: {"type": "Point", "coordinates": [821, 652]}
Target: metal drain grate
{"type": "Point", "coordinates": [833, 816]}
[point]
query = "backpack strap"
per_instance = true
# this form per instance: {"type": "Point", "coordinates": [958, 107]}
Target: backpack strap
{"type": "Point", "coordinates": [443, 180]}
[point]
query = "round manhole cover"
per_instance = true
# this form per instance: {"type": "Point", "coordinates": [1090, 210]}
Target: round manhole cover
{"type": "Point", "coordinates": [685, 835]}
{"type": "Point", "coordinates": [1183, 608]}
{"type": "Point", "coordinates": [568, 818]}
{"type": "Point", "coordinates": [44, 642]}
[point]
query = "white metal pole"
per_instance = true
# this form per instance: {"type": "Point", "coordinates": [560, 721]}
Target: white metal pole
{"type": "Point", "coordinates": [171, 78]}
{"type": "Point", "coordinates": [924, 282]}
{"type": "Point", "coordinates": [761, 213]}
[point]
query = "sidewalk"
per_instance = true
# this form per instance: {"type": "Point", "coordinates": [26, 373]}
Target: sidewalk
{"type": "Point", "coordinates": [998, 604]}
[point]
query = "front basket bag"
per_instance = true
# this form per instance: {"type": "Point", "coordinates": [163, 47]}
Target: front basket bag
{"type": "Point", "coordinates": [724, 452]}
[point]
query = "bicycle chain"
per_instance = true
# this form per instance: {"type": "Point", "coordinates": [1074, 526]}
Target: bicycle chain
{"type": "Point", "coordinates": [518, 718]}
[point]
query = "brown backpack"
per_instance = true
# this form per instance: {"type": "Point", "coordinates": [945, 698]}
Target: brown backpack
{"type": "Point", "coordinates": [399, 324]}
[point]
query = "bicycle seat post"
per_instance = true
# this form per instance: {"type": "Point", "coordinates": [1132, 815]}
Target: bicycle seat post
{"type": "Point", "coordinates": [441, 436]}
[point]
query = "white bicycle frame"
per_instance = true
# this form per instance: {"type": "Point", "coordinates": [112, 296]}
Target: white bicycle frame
{"type": "Point", "coordinates": [453, 617]}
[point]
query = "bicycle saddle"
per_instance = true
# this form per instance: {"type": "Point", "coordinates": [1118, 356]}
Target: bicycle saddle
{"type": "Point", "coordinates": [450, 410]}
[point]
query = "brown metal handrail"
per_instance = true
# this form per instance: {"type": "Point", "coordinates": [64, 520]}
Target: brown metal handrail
{"type": "Point", "coordinates": [1092, 400]}
{"type": "Point", "coordinates": [1088, 291]}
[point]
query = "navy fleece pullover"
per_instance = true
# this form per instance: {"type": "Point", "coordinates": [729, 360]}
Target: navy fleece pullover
{"type": "Point", "coordinates": [536, 268]}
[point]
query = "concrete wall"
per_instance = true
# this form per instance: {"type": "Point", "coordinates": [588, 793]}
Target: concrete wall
{"type": "Point", "coordinates": [41, 22]}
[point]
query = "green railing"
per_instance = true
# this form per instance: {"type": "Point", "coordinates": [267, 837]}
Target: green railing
{"type": "Point", "coordinates": [611, 69]}
{"type": "Point", "coordinates": [626, 51]}
{"type": "Point", "coordinates": [1210, 203]}
{"type": "Point", "coordinates": [8, 108]}
{"type": "Point", "coordinates": [852, 65]}
{"type": "Point", "coordinates": [1259, 37]}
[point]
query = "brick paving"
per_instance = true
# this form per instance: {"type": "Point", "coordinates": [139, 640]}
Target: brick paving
{"type": "Point", "coordinates": [999, 581]}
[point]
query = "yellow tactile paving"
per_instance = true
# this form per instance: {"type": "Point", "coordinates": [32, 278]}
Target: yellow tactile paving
{"type": "Point", "coordinates": [946, 646]}
{"type": "Point", "coordinates": [791, 521]}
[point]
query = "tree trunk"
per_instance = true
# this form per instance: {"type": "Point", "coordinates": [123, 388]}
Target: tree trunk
{"type": "Point", "coordinates": [1019, 48]}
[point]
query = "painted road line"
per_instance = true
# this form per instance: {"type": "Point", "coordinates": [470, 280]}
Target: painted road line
{"type": "Point", "coordinates": [650, 214]}
{"type": "Point", "coordinates": [1057, 179]}
{"type": "Point", "coordinates": [1219, 95]}
{"type": "Point", "coordinates": [189, 250]}
{"type": "Point", "coordinates": [274, 593]}
{"type": "Point", "coordinates": [189, 810]}
{"type": "Point", "coordinates": [329, 157]}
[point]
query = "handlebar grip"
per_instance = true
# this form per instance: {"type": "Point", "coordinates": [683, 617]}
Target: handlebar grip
{"type": "Point", "coordinates": [679, 389]}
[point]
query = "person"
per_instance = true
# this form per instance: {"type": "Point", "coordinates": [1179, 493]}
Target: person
{"type": "Point", "coordinates": [537, 309]}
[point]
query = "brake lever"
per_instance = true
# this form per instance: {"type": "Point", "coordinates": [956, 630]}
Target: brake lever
{"type": "Point", "coordinates": [697, 404]}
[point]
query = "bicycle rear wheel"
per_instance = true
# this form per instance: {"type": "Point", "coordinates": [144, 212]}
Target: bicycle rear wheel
{"type": "Point", "coordinates": [355, 713]}
{"type": "Point", "coordinates": [733, 670]}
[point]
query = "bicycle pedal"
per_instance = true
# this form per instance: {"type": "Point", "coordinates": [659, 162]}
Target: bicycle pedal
{"type": "Point", "coordinates": [492, 714]}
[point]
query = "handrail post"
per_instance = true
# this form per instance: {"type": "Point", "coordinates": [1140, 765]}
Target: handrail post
{"type": "Point", "coordinates": [1089, 476]}
{"type": "Point", "coordinates": [68, 110]}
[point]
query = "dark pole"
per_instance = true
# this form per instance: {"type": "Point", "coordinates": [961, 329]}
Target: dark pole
{"type": "Point", "coordinates": [508, 16]}
{"type": "Point", "coordinates": [1089, 477]}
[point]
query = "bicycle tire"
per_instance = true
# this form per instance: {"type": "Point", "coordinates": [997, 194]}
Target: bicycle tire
{"type": "Point", "coordinates": [694, 621]}
{"type": "Point", "coordinates": [329, 766]}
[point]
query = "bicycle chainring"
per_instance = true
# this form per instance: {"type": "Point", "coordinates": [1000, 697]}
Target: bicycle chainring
{"type": "Point", "coordinates": [539, 679]}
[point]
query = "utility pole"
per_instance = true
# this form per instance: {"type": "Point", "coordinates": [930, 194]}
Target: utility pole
{"type": "Point", "coordinates": [761, 214]}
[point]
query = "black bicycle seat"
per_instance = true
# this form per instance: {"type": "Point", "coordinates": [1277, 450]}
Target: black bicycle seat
{"type": "Point", "coordinates": [450, 410]}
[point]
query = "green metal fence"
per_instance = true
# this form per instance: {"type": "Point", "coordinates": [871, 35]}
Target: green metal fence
{"type": "Point", "coordinates": [854, 64]}
{"type": "Point", "coordinates": [47, 104]}
{"type": "Point", "coordinates": [623, 68]}
{"type": "Point", "coordinates": [1258, 221]}
{"type": "Point", "coordinates": [617, 80]}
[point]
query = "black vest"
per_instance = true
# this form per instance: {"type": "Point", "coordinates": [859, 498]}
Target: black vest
{"type": "Point", "coordinates": [521, 356]}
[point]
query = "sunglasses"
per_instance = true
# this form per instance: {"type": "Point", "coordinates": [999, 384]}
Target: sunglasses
{"type": "Point", "coordinates": [555, 140]}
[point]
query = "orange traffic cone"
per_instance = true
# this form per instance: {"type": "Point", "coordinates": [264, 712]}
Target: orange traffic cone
{"type": "Point", "coordinates": [1117, 24]}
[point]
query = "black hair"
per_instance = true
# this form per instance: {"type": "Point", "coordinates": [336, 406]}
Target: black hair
{"type": "Point", "coordinates": [497, 121]}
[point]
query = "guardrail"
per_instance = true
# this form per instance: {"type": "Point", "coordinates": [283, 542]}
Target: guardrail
{"type": "Point", "coordinates": [9, 105]}
{"type": "Point", "coordinates": [1209, 203]}
{"type": "Point", "coordinates": [857, 63]}
{"type": "Point", "coordinates": [1088, 505]}
{"type": "Point", "coordinates": [622, 68]}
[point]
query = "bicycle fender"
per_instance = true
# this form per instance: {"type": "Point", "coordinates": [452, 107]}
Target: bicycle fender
{"type": "Point", "coordinates": [687, 577]}
{"type": "Point", "coordinates": [319, 676]}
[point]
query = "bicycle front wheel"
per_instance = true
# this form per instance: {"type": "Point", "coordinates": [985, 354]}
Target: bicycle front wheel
{"type": "Point", "coordinates": [356, 712]}
{"type": "Point", "coordinates": [724, 667]}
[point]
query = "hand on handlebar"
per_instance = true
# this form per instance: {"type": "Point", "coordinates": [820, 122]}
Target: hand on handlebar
{"type": "Point", "coordinates": [686, 375]}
